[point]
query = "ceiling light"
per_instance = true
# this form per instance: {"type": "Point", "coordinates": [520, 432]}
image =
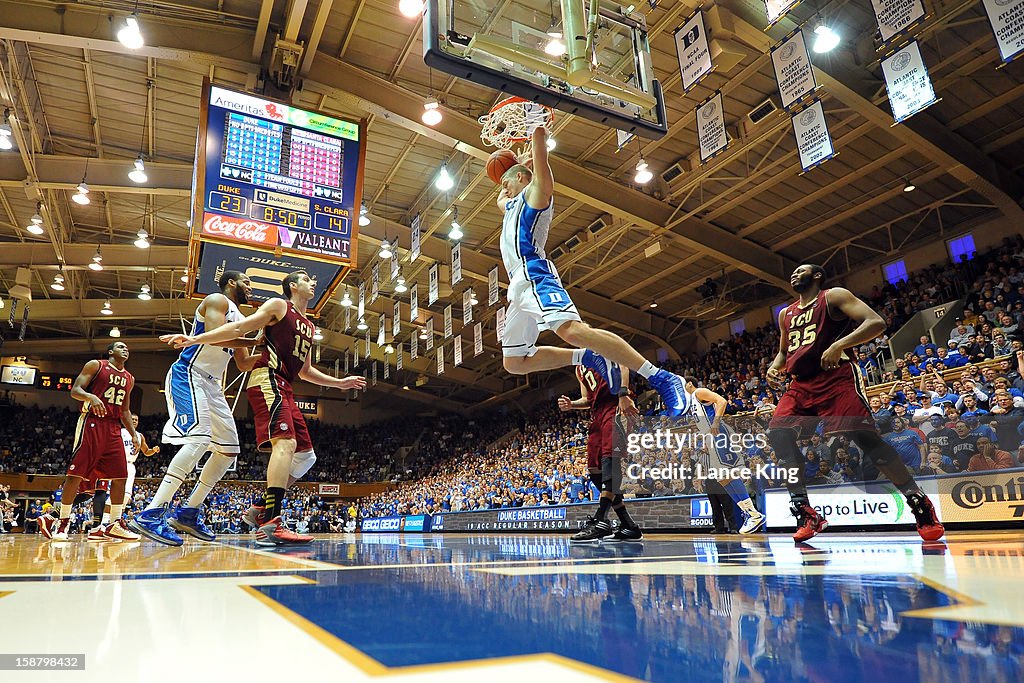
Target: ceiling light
{"type": "Point", "coordinates": [406, 387]}
{"type": "Point", "coordinates": [654, 304]}
{"type": "Point", "coordinates": [5, 140]}
{"type": "Point", "coordinates": [456, 232]}
{"type": "Point", "coordinates": [385, 248]}
{"type": "Point", "coordinates": [35, 228]}
{"type": "Point", "coordinates": [362, 325]}
{"type": "Point", "coordinates": [389, 349]}
{"type": "Point", "coordinates": [346, 300]}
{"type": "Point", "coordinates": [643, 174]}
{"type": "Point", "coordinates": [143, 239]}
{"type": "Point", "coordinates": [184, 277]}
{"type": "Point", "coordinates": [472, 298]}
{"type": "Point", "coordinates": [423, 333]}
{"type": "Point", "coordinates": [106, 308]}
{"type": "Point", "coordinates": [909, 187]}
{"type": "Point", "coordinates": [144, 293]}
{"type": "Point", "coordinates": [825, 39]}
{"type": "Point", "coordinates": [130, 35]}
{"type": "Point", "coordinates": [551, 144]}
{"type": "Point", "coordinates": [97, 261]}
{"type": "Point", "coordinates": [444, 181]}
{"type": "Point", "coordinates": [364, 218]}
{"type": "Point", "coordinates": [400, 287]}
{"type": "Point", "coordinates": [115, 332]}
{"type": "Point", "coordinates": [58, 283]}
{"type": "Point", "coordinates": [431, 112]}
{"type": "Point", "coordinates": [318, 335]}
{"type": "Point", "coordinates": [410, 8]}
{"type": "Point", "coordinates": [138, 173]}
{"type": "Point", "coordinates": [82, 196]}
{"type": "Point", "coordinates": [555, 47]}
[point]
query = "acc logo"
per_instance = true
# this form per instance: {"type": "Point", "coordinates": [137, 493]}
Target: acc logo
{"type": "Point", "coordinates": [901, 62]}
{"type": "Point", "coordinates": [807, 118]}
{"type": "Point", "coordinates": [710, 109]}
{"type": "Point", "coordinates": [787, 52]}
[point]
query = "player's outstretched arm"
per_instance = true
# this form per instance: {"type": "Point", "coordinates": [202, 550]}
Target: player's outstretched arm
{"type": "Point", "coordinates": [267, 314]}
{"type": "Point", "coordinates": [78, 392]}
{"type": "Point", "coordinates": [542, 186]}
{"type": "Point", "coordinates": [311, 374]}
{"type": "Point", "coordinates": [869, 324]}
{"type": "Point", "coordinates": [774, 374]}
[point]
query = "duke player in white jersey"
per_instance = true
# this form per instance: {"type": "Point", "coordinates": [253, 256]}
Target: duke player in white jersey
{"type": "Point", "coordinates": [537, 300]}
{"type": "Point", "coordinates": [706, 408]}
{"type": "Point", "coordinates": [199, 417]}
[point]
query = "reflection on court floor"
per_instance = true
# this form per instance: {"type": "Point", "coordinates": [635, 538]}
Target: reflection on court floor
{"type": "Point", "coordinates": [447, 607]}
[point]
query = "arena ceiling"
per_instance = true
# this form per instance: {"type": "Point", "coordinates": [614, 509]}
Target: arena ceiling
{"type": "Point", "coordinates": [745, 219]}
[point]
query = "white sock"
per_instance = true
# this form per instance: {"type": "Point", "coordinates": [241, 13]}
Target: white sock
{"type": "Point", "coordinates": [106, 518]}
{"type": "Point", "coordinates": [213, 471]}
{"type": "Point", "coordinates": [577, 356]}
{"type": "Point", "coordinates": [647, 369]}
{"type": "Point", "coordinates": [115, 511]}
{"type": "Point", "coordinates": [747, 506]}
{"type": "Point", "coordinates": [183, 462]}
{"type": "Point", "coordinates": [65, 511]}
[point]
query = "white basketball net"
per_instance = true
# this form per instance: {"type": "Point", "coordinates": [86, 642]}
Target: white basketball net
{"type": "Point", "coordinates": [512, 122]}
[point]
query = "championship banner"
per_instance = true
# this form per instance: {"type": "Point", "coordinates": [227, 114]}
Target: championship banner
{"type": "Point", "coordinates": [500, 323]}
{"type": "Point", "coordinates": [793, 71]}
{"type": "Point", "coordinates": [361, 307]}
{"type": "Point", "coordinates": [478, 339]}
{"type": "Point", "coordinates": [1007, 20]}
{"type": "Point", "coordinates": [622, 139]}
{"type": "Point", "coordinates": [458, 350]}
{"type": "Point", "coordinates": [355, 353]}
{"type": "Point", "coordinates": [440, 360]}
{"type": "Point", "coordinates": [776, 9]}
{"type": "Point", "coordinates": [375, 282]}
{"type": "Point", "coordinates": [382, 323]}
{"type": "Point", "coordinates": [492, 286]}
{"type": "Point", "coordinates": [456, 264]}
{"type": "Point", "coordinates": [387, 368]}
{"type": "Point", "coordinates": [430, 334]}
{"type": "Point", "coordinates": [711, 127]}
{"type": "Point", "coordinates": [345, 366]}
{"type": "Point", "coordinates": [467, 307]}
{"type": "Point", "coordinates": [396, 321]}
{"type": "Point", "coordinates": [414, 347]}
{"type": "Point", "coordinates": [432, 294]}
{"type": "Point", "coordinates": [394, 261]}
{"type": "Point", "coordinates": [414, 251]}
{"type": "Point", "coordinates": [693, 51]}
{"type": "Point", "coordinates": [348, 318]}
{"type": "Point", "coordinates": [374, 376]}
{"type": "Point", "coordinates": [367, 354]}
{"type": "Point", "coordinates": [812, 138]}
{"type": "Point", "coordinates": [398, 355]}
{"type": "Point", "coordinates": [896, 16]}
{"type": "Point", "coordinates": [447, 321]}
{"type": "Point", "coordinates": [908, 82]}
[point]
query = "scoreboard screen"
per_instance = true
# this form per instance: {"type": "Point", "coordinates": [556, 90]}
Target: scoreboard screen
{"type": "Point", "coordinates": [277, 177]}
{"type": "Point", "coordinates": [55, 381]}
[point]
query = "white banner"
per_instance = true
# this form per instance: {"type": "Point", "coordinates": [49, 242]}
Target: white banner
{"type": "Point", "coordinates": [382, 323]}
{"type": "Point", "coordinates": [387, 368]}
{"type": "Point", "coordinates": [776, 9]}
{"type": "Point", "coordinates": [500, 326]}
{"type": "Point", "coordinates": [693, 51]}
{"type": "Point", "coordinates": [812, 138]}
{"type": "Point", "coordinates": [361, 308]}
{"type": "Point", "coordinates": [398, 355]}
{"type": "Point", "coordinates": [711, 127]}
{"type": "Point", "coordinates": [414, 347]}
{"type": "Point", "coordinates": [896, 16]}
{"type": "Point", "coordinates": [374, 373]}
{"type": "Point", "coordinates": [396, 321]}
{"type": "Point", "coordinates": [430, 334]}
{"type": "Point", "coordinates": [908, 82]}
{"type": "Point", "coordinates": [414, 251]}
{"type": "Point", "coordinates": [394, 261]}
{"type": "Point", "coordinates": [447, 321]}
{"type": "Point", "coordinates": [348, 318]}
{"type": "Point", "coordinates": [1007, 20]}
{"type": "Point", "coordinates": [367, 347]}
{"type": "Point", "coordinates": [440, 360]}
{"type": "Point", "coordinates": [345, 371]}
{"type": "Point", "coordinates": [375, 283]}
{"type": "Point", "coordinates": [793, 70]}
{"type": "Point", "coordinates": [356, 355]}
{"type": "Point", "coordinates": [414, 303]}
{"type": "Point", "coordinates": [492, 286]}
{"type": "Point", "coordinates": [467, 307]}
{"type": "Point", "coordinates": [478, 339]}
{"type": "Point", "coordinates": [432, 294]}
{"type": "Point", "coordinates": [456, 264]}
{"type": "Point", "coordinates": [458, 350]}
{"type": "Point", "coordinates": [622, 138]}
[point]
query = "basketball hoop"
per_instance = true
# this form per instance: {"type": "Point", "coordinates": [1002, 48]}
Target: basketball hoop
{"type": "Point", "coordinates": [512, 121]}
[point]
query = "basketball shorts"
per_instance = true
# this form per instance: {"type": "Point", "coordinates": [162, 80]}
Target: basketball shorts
{"type": "Point", "coordinates": [836, 397]}
{"type": "Point", "coordinates": [537, 303]}
{"type": "Point", "coordinates": [274, 412]}
{"type": "Point", "coordinates": [98, 451]}
{"type": "Point", "coordinates": [722, 447]}
{"type": "Point", "coordinates": [198, 412]}
{"type": "Point", "coordinates": [93, 486]}
{"type": "Point", "coordinates": [600, 438]}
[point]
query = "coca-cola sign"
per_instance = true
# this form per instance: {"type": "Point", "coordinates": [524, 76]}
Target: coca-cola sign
{"type": "Point", "coordinates": [242, 229]}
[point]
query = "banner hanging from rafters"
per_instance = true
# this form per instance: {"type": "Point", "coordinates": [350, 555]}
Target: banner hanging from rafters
{"type": "Point", "coordinates": [478, 339]}
{"type": "Point", "coordinates": [693, 51]}
{"type": "Point", "coordinates": [812, 138]}
{"type": "Point", "coordinates": [430, 334]}
{"type": "Point", "coordinates": [467, 307]}
{"type": "Point", "coordinates": [907, 80]}
{"type": "Point", "coordinates": [458, 350]}
{"type": "Point", "coordinates": [398, 355]}
{"type": "Point", "coordinates": [447, 321]}
{"type": "Point", "coordinates": [896, 17]}
{"type": "Point", "coordinates": [414, 303]}
{"type": "Point", "coordinates": [440, 360]}
{"type": "Point", "coordinates": [776, 9]}
{"type": "Point", "coordinates": [793, 70]}
{"type": "Point", "coordinates": [396, 321]}
{"type": "Point", "coordinates": [432, 293]}
{"type": "Point", "coordinates": [492, 286]}
{"type": "Point", "coordinates": [414, 347]}
{"type": "Point", "coordinates": [414, 250]}
{"type": "Point", "coordinates": [500, 323]}
{"type": "Point", "coordinates": [711, 128]}
{"type": "Point", "coordinates": [1007, 20]}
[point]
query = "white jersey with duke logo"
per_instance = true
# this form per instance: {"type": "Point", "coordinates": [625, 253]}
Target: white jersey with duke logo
{"type": "Point", "coordinates": [524, 232]}
{"type": "Point", "coordinates": [209, 360]}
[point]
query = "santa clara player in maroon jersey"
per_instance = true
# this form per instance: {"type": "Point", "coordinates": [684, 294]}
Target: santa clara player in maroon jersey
{"type": "Point", "coordinates": [280, 426]}
{"type": "Point", "coordinates": [817, 332]}
{"type": "Point", "coordinates": [604, 465]}
{"type": "Point", "coordinates": [104, 387]}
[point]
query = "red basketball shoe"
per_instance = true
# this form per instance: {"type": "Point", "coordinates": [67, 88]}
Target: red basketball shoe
{"type": "Point", "coordinates": [809, 523]}
{"type": "Point", "coordinates": [275, 533]}
{"type": "Point", "coordinates": [928, 524]}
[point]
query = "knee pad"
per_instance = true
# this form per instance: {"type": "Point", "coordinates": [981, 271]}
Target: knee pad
{"type": "Point", "coordinates": [611, 475]}
{"type": "Point", "coordinates": [302, 462]}
{"type": "Point", "coordinates": [874, 447]}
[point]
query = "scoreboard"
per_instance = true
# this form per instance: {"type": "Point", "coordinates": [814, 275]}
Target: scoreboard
{"type": "Point", "coordinates": [274, 181]}
{"type": "Point", "coordinates": [55, 381]}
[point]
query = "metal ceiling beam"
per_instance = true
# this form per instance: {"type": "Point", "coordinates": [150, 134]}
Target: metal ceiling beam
{"type": "Point", "coordinates": [77, 256]}
{"type": "Point", "coordinates": [104, 175]}
{"type": "Point", "coordinates": [262, 24]}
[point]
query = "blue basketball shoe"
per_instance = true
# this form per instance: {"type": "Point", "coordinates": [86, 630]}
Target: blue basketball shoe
{"type": "Point", "coordinates": [190, 521]}
{"type": "Point", "coordinates": [671, 389]}
{"type": "Point", "coordinates": [153, 525]}
{"type": "Point", "coordinates": [609, 371]}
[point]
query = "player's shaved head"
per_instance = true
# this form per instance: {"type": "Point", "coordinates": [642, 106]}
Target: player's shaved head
{"type": "Point", "coordinates": [518, 168]}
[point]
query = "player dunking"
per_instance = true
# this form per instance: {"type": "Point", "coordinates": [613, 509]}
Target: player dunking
{"type": "Point", "coordinates": [199, 417]}
{"type": "Point", "coordinates": [280, 426]}
{"type": "Point", "coordinates": [605, 468]}
{"type": "Point", "coordinates": [104, 387]}
{"type": "Point", "coordinates": [537, 300]}
{"type": "Point", "coordinates": [816, 332]}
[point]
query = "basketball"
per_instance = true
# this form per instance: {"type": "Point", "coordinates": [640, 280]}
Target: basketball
{"type": "Point", "coordinates": [498, 163]}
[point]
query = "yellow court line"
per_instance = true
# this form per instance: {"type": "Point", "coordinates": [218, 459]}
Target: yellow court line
{"type": "Point", "coordinates": [949, 612]}
{"type": "Point", "coordinates": [371, 667]}
{"type": "Point", "coordinates": [309, 564]}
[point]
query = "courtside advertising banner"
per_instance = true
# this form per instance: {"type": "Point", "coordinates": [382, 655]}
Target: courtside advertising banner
{"type": "Point", "coordinates": [896, 16]}
{"type": "Point", "coordinates": [1007, 20]}
{"type": "Point", "coordinates": [711, 127]}
{"type": "Point", "coordinates": [693, 51]}
{"type": "Point", "coordinates": [793, 70]}
{"type": "Point", "coordinates": [812, 138]}
{"type": "Point", "coordinates": [907, 80]}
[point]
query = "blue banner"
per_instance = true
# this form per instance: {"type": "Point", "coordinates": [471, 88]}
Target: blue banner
{"type": "Point", "coordinates": [531, 514]}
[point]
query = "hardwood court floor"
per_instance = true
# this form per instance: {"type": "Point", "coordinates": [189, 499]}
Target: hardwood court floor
{"type": "Point", "coordinates": [873, 607]}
